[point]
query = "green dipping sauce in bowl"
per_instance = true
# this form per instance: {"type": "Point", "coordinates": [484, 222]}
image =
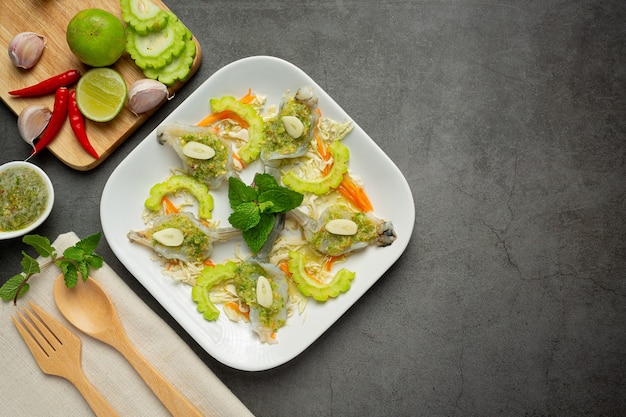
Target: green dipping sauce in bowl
{"type": "Point", "coordinates": [26, 198]}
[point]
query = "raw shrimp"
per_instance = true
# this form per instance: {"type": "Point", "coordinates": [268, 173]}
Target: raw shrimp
{"type": "Point", "coordinates": [211, 170]}
{"type": "Point", "coordinates": [283, 141]}
{"type": "Point", "coordinates": [370, 230]}
{"type": "Point", "coordinates": [265, 320]}
{"type": "Point", "coordinates": [197, 244]}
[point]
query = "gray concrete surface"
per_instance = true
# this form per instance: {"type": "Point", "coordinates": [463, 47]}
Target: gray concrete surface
{"type": "Point", "coordinates": [508, 120]}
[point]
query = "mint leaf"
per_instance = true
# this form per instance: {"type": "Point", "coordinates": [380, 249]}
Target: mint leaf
{"type": "Point", "coordinates": [90, 243]}
{"type": "Point", "coordinates": [9, 288]}
{"type": "Point", "coordinates": [283, 200]}
{"type": "Point", "coordinates": [264, 182]}
{"type": "Point", "coordinates": [83, 268]}
{"type": "Point", "coordinates": [84, 258]}
{"type": "Point", "coordinates": [70, 274]}
{"type": "Point", "coordinates": [256, 236]}
{"type": "Point", "coordinates": [94, 260]}
{"type": "Point", "coordinates": [266, 206]}
{"type": "Point", "coordinates": [254, 207]}
{"type": "Point", "coordinates": [41, 244]}
{"type": "Point", "coordinates": [74, 253]}
{"type": "Point", "coordinates": [29, 264]}
{"type": "Point", "coordinates": [239, 193]}
{"type": "Point", "coordinates": [76, 259]}
{"type": "Point", "coordinates": [245, 216]}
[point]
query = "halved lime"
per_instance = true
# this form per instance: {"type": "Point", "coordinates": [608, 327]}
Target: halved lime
{"type": "Point", "coordinates": [101, 94]}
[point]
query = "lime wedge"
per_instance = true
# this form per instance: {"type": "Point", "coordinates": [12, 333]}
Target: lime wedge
{"type": "Point", "coordinates": [101, 94]}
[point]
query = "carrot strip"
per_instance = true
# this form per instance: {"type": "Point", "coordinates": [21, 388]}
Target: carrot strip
{"type": "Point", "coordinates": [169, 206]}
{"type": "Point", "coordinates": [238, 158]}
{"type": "Point", "coordinates": [235, 306]}
{"type": "Point", "coordinates": [322, 149]}
{"type": "Point", "coordinates": [330, 261]}
{"type": "Point", "coordinates": [208, 262]}
{"type": "Point", "coordinates": [327, 169]}
{"type": "Point", "coordinates": [240, 121]}
{"type": "Point", "coordinates": [223, 115]}
{"type": "Point", "coordinates": [355, 194]}
{"type": "Point", "coordinates": [284, 266]}
{"type": "Point", "coordinates": [314, 277]}
{"type": "Point", "coordinates": [229, 114]}
{"type": "Point", "coordinates": [209, 119]}
{"type": "Point", "coordinates": [248, 98]}
{"type": "Point", "coordinates": [347, 188]}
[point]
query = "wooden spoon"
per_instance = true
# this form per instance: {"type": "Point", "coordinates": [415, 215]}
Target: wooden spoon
{"type": "Point", "coordinates": [90, 310]}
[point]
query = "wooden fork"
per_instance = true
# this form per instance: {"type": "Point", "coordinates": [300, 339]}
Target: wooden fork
{"type": "Point", "coordinates": [57, 351]}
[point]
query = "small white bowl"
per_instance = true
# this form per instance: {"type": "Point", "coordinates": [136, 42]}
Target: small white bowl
{"type": "Point", "coordinates": [16, 233]}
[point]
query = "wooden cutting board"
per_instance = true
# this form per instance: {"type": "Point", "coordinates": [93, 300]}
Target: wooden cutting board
{"type": "Point", "coordinates": [50, 19]}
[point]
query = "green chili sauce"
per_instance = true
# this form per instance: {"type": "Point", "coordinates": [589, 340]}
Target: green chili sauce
{"type": "Point", "coordinates": [245, 284]}
{"type": "Point", "coordinates": [336, 244]}
{"type": "Point", "coordinates": [209, 169]}
{"type": "Point", "coordinates": [277, 140]}
{"type": "Point", "coordinates": [195, 244]}
{"type": "Point", "coordinates": [23, 198]}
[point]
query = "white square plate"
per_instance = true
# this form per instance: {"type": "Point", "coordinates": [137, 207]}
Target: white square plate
{"type": "Point", "coordinates": [235, 344]}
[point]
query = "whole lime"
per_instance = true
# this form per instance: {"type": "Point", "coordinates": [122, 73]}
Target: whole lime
{"type": "Point", "coordinates": [96, 37]}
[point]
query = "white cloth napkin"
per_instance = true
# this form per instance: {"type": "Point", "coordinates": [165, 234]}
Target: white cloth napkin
{"type": "Point", "coordinates": [26, 390]}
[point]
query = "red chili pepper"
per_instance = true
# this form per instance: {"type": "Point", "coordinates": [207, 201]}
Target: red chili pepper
{"type": "Point", "coordinates": [77, 121]}
{"type": "Point", "coordinates": [48, 86]}
{"type": "Point", "coordinates": [59, 114]}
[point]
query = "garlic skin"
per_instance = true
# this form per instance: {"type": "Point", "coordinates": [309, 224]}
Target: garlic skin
{"type": "Point", "coordinates": [146, 94]}
{"type": "Point", "coordinates": [25, 49]}
{"type": "Point", "coordinates": [32, 121]}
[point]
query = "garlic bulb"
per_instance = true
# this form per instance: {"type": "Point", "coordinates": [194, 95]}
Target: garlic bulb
{"type": "Point", "coordinates": [25, 49]}
{"type": "Point", "coordinates": [146, 94]}
{"type": "Point", "coordinates": [32, 121]}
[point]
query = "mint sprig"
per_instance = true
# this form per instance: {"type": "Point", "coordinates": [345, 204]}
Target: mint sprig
{"type": "Point", "coordinates": [76, 260]}
{"type": "Point", "coordinates": [255, 206]}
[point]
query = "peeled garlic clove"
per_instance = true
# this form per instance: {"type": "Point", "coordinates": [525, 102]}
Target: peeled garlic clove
{"type": "Point", "coordinates": [264, 296]}
{"type": "Point", "coordinates": [171, 237]}
{"type": "Point", "coordinates": [25, 49]}
{"type": "Point", "coordinates": [32, 121]}
{"type": "Point", "coordinates": [293, 126]}
{"type": "Point", "coordinates": [197, 150]}
{"type": "Point", "coordinates": [343, 227]}
{"type": "Point", "coordinates": [146, 94]}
